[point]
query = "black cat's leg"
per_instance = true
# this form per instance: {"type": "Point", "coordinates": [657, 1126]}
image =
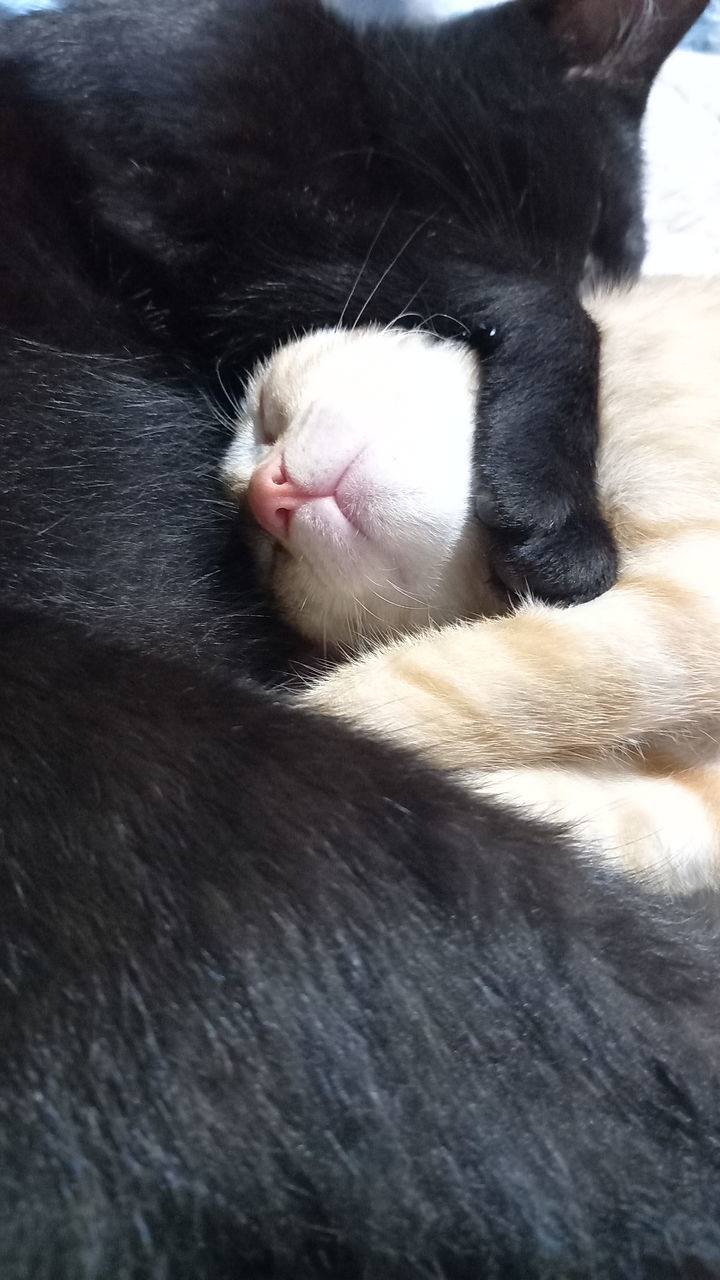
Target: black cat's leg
{"type": "Point", "coordinates": [536, 442]}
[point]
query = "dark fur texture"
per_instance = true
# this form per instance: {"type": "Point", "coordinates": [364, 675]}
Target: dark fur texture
{"type": "Point", "coordinates": [279, 1003]}
{"type": "Point", "coordinates": [264, 1016]}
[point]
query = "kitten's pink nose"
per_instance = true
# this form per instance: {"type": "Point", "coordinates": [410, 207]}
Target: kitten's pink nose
{"type": "Point", "coordinates": [273, 497]}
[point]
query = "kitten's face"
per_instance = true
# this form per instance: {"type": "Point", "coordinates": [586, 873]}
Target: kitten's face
{"type": "Point", "coordinates": [353, 459]}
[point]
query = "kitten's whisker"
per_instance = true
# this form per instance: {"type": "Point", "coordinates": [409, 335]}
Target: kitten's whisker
{"type": "Point", "coordinates": [405, 314]}
{"type": "Point", "coordinates": [488, 195]}
{"type": "Point", "coordinates": [235, 402]}
{"type": "Point", "coordinates": [444, 315]}
{"type": "Point", "coordinates": [403, 249]}
{"type": "Point", "coordinates": [366, 261]}
{"type": "Point", "coordinates": [415, 601]}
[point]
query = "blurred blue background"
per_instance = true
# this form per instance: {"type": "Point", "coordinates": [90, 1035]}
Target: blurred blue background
{"type": "Point", "coordinates": [704, 36]}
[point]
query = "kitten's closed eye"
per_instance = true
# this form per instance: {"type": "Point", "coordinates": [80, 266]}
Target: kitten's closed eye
{"type": "Point", "coordinates": [268, 424]}
{"type": "Point", "coordinates": [355, 454]}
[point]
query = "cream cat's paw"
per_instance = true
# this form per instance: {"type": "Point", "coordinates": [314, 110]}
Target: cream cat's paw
{"type": "Point", "coordinates": [422, 691]}
{"type": "Point", "coordinates": [374, 694]}
{"type": "Point", "coordinates": [362, 691]}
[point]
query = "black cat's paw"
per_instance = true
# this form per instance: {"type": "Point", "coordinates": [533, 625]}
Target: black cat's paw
{"type": "Point", "coordinates": [573, 561]}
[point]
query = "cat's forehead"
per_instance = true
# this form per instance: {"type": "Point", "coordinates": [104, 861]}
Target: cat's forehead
{"type": "Point", "coordinates": [361, 365]}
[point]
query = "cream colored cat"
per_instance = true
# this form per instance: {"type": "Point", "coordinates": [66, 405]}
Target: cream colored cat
{"type": "Point", "coordinates": [354, 454]}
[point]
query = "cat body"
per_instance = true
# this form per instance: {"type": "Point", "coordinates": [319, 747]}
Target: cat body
{"type": "Point", "coordinates": [276, 1000]}
{"type": "Point", "coordinates": [604, 716]}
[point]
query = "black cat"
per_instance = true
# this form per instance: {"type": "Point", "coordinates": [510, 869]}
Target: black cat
{"type": "Point", "coordinates": [277, 1001]}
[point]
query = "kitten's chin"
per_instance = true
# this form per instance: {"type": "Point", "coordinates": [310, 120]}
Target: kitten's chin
{"type": "Point", "coordinates": [344, 590]}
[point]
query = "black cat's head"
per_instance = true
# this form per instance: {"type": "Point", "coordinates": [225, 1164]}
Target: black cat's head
{"type": "Point", "coordinates": [261, 169]}
{"type": "Point", "coordinates": [612, 51]}
{"type": "Point", "coordinates": [522, 124]}
{"type": "Point", "coordinates": [408, 164]}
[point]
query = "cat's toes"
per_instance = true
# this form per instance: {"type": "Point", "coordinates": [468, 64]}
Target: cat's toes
{"type": "Point", "coordinates": [572, 562]}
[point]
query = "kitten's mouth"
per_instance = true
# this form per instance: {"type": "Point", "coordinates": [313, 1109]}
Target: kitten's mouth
{"type": "Point", "coordinates": [276, 500]}
{"type": "Point", "coordinates": [326, 517]}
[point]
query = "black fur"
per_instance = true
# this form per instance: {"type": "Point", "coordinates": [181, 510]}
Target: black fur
{"type": "Point", "coordinates": [110, 507]}
{"type": "Point", "coordinates": [278, 1002]}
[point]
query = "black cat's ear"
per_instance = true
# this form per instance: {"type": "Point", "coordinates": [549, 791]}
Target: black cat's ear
{"type": "Point", "coordinates": [622, 42]}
